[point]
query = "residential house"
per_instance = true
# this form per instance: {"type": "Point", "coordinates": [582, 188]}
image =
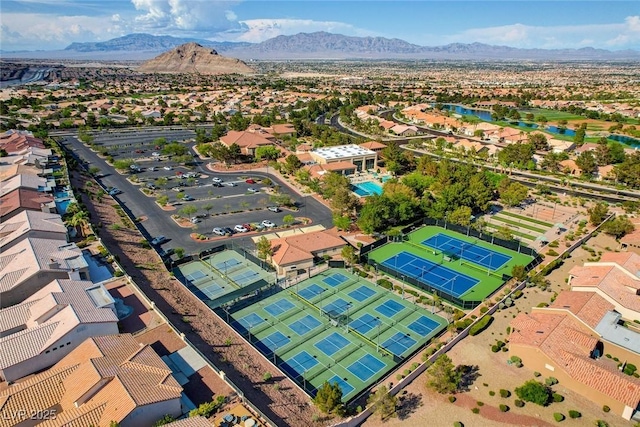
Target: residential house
{"type": "Point", "coordinates": [29, 265]}
{"type": "Point", "coordinates": [570, 167]}
{"type": "Point", "coordinates": [560, 146]}
{"type": "Point", "coordinates": [604, 172]}
{"type": "Point", "coordinates": [284, 129]}
{"type": "Point", "coordinates": [247, 141]}
{"type": "Point", "coordinates": [319, 170]}
{"type": "Point", "coordinates": [616, 278]}
{"type": "Point", "coordinates": [105, 379]}
{"type": "Point", "coordinates": [362, 158]}
{"type": "Point", "coordinates": [373, 146]}
{"type": "Point", "coordinates": [568, 340]}
{"type": "Point", "coordinates": [48, 325]}
{"type": "Point", "coordinates": [31, 224]}
{"type": "Point", "coordinates": [296, 253]}
{"type": "Point", "coordinates": [26, 181]}
{"type": "Point", "coordinates": [20, 199]}
{"type": "Point", "coordinates": [404, 130]}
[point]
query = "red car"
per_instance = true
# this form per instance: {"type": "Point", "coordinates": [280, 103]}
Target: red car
{"type": "Point", "coordinates": [250, 181]}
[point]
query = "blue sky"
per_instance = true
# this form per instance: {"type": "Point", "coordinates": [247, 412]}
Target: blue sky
{"type": "Point", "coordinates": [53, 24]}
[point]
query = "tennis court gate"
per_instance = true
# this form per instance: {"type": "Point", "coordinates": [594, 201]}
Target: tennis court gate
{"type": "Point", "coordinates": [464, 304]}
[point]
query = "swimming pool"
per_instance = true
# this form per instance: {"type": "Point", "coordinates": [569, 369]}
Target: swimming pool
{"type": "Point", "coordinates": [62, 205]}
{"type": "Point", "coordinates": [367, 188]}
{"type": "Point", "coordinates": [98, 272]}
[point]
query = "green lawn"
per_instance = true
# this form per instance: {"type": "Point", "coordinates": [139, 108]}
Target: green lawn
{"type": "Point", "coordinates": [520, 224]}
{"type": "Point", "coordinates": [514, 232]}
{"type": "Point", "coordinates": [526, 218]}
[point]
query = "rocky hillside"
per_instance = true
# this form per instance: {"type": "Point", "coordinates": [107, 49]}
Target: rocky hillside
{"type": "Point", "coordinates": [194, 58]}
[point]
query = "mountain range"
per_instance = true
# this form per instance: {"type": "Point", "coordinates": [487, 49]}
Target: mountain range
{"type": "Point", "coordinates": [321, 45]}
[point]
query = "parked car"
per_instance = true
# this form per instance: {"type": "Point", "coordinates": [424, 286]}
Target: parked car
{"type": "Point", "coordinates": [230, 184]}
{"type": "Point", "coordinates": [166, 252]}
{"type": "Point", "coordinates": [202, 215]}
{"type": "Point", "coordinates": [228, 230]}
{"type": "Point", "coordinates": [151, 185]}
{"type": "Point", "coordinates": [250, 181]}
{"type": "Point", "coordinates": [240, 228]}
{"type": "Point", "coordinates": [153, 168]}
{"type": "Point", "coordinates": [178, 188]}
{"type": "Point", "coordinates": [114, 191]}
{"type": "Point", "coordinates": [217, 184]}
{"type": "Point", "coordinates": [253, 190]}
{"type": "Point", "coordinates": [195, 220]}
{"type": "Point", "coordinates": [188, 198]}
{"type": "Point", "coordinates": [158, 240]}
{"type": "Point", "coordinates": [274, 208]}
{"type": "Point", "coordinates": [268, 223]}
{"type": "Point", "coordinates": [155, 154]}
{"type": "Point", "coordinates": [167, 168]}
{"type": "Point", "coordinates": [216, 179]}
{"type": "Point", "coordinates": [219, 231]}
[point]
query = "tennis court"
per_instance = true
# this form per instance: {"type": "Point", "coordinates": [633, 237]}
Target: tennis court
{"type": "Point", "coordinates": [423, 326]}
{"type": "Point", "coordinates": [327, 329]}
{"type": "Point", "coordinates": [469, 251]}
{"type": "Point", "coordinates": [429, 272]}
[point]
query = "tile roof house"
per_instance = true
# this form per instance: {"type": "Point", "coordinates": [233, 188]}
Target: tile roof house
{"type": "Point", "coordinates": [22, 199]}
{"type": "Point", "coordinates": [31, 224]}
{"type": "Point", "coordinates": [47, 326]}
{"type": "Point", "coordinates": [31, 264]}
{"type": "Point", "coordinates": [8, 171]}
{"type": "Point", "coordinates": [373, 146]}
{"type": "Point", "coordinates": [616, 278]}
{"type": "Point", "coordinates": [559, 342]}
{"type": "Point", "coordinates": [247, 141]}
{"type": "Point", "coordinates": [14, 142]}
{"type": "Point", "coordinates": [320, 170]}
{"type": "Point", "coordinates": [295, 253]}
{"type": "Point", "coordinates": [105, 379]}
{"type": "Point", "coordinates": [26, 181]}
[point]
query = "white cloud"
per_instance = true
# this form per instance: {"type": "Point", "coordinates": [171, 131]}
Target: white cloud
{"type": "Point", "coordinates": [262, 29]}
{"type": "Point", "coordinates": [187, 16]}
{"type": "Point", "coordinates": [609, 36]}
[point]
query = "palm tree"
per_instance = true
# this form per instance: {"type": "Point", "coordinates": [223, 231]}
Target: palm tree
{"type": "Point", "coordinates": [79, 221]}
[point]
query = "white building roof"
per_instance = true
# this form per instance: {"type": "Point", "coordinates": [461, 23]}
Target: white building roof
{"type": "Point", "coordinates": [342, 152]}
{"type": "Point", "coordinates": [27, 221]}
{"type": "Point", "coordinates": [49, 315]}
{"type": "Point", "coordinates": [33, 182]}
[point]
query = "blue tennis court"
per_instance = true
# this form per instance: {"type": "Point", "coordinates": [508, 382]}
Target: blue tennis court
{"type": "Point", "coordinates": [195, 276]}
{"type": "Point", "coordinates": [344, 386]}
{"type": "Point", "coordinates": [364, 323]}
{"type": "Point", "coordinates": [332, 344]}
{"type": "Point", "coordinates": [250, 320]}
{"type": "Point", "coordinates": [338, 306]}
{"type": "Point", "coordinates": [468, 251]}
{"type": "Point", "coordinates": [275, 341]}
{"type": "Point", "coordinates": [399, 343]}
{"type": "Point", "coordinates": [311, 291]}
{"type": "Point", "coordinates": [366, 367]}
{"type": "Point", "coordinates": [212, 290]}
{"type": "Point", "coordinates": [246, 277]}
{"type": "Point", "coordinates": [279, 307]}
{"type": "Point", "coordinates": [362, 293]}
{"type": "Point", "coordinates": [389, 308]}
{"type": "Point", "coordinates": [436, 275]}
{"type": "Point", "coordinates": [305, 325]}
{"type": "Point", "coordinates": [423, 326]}
{"type": "Point", "coordinates": [335, 279]}
{"type": "Point", "coordinates": [299, 364]}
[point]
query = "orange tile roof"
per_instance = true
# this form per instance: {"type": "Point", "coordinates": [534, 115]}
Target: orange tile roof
{"type": "Point", "coordinates": [620, 284]}
{"type": "Point", "coordinates": [569, 344]}
{"type": "Point", "coordinates": [244, 139]}
{"type": "Point", "coordinates": [587, 306]}
{"type": "Point", "coordinates": [373, 145]}
{"type": "Point", "coordinates": [301, 247]}
{"type": "Point", "coordinates": [23, 199]}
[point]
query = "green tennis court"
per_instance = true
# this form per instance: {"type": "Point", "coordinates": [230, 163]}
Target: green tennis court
{"type": "Point", "coordinates": [336, 327]}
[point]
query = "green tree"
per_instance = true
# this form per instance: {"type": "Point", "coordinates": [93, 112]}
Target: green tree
{"type": "Point", "coordinates": [514, 194]}
{"type": "Point", "coordinates": [164, 420]}
{"type": "Point", "coordinates": [383, 403]}
{"type": "Point", "coordinates": [238, 122]}
{"type": "Point", "coordinates": [175, 149]}
{"type": "Point", "coordinates": [443, 376]}
{"type": "Point", "coordinates": [292, 164]}
{"type": "Point", "coordinates": [538, 140]}
{"type": "Point", "coordinates": [518, 155]}
{"type": "Point", "coordinates": [598, 213]}
{"type": "Point", "coordinates": [342, 222]}
{"type": "Point", "coordinates": [519, 272]}
{"type": "Point", "coordinates": [329, 398]}
{"type": "Point", "coordinates": [263, 246]}
{"type": "Point", "coordinates": [163, 200]}
{"type": "Point", "coordinates": [288, 220]}
{"type": "Point", "coordinates": [343, 201]}
{"type": "Point", "coordinates": [349, 255]}
{"type": "Point", "coordinates": [123, 164]}
{"type": "Point", "coordinates": [188, 211]}
{"type": "Point", "coordinates": [94, 170]}
{"type": "Point", "coordinates": [587, 163]}
{"type": "Point", "coordinates": [268, 152]}
{"type": "Point", "coordinates": [504, 233]}
{"type": "Point", "coordinates": [619, 226]}
{"type": "Point", "coordinates": [535, 392]}
{"type": "Point", "coordinates": [628, 172]}
{"type": "Point", "coordinates": [461, 216]}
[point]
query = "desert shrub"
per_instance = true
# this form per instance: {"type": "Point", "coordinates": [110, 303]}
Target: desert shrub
{"type": "Point", "coordinates": [515, 360]}
{"type": "Point", "coordinates": [605, 408]}
{"type": "Point", "coordinates": [385, 284]}
{"type": "Point", "coordinates": [492, 393]}
{"type": "Point", "coordinates": [483, 310]}
{"type": "Point", "coordinates": [551, 381]}
{"type": "Point", "coordinates": [574, 414]}
{"type": "Point", "coordinates": [480, 403]}
{"type": "Point", "coordinates": [602, 423]}
{"type": "Point", "coordinates": [534, 391]}
{"type": "Point", "coordinates": [481, 325]}
{"type": "Point", "coordinates": [503, 408]}
{"type": "Point", "coordinates": [536, 374]}
{"type": "Point", "coordinates": [118, 273]}
{"type": "Point", "coordinates": [267, 376]}
{"type": "Point", "coordinates": [452, 399]}
{"type": "Point", "coordinates": [458, 424]}
{"type": "Point", "coordinates": [558, 416]}
{"type": "Point", "coordinates": [504, 393]}
{"type": "Point", "coordinates": [519, 403]}
{"type": "Point", "coordinates": [557, 397]}
{"type": "Point", "coordinates": [476, 410]}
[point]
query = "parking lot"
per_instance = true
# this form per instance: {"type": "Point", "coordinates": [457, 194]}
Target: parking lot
{"type": "Point", "coordinates": [217, 203]}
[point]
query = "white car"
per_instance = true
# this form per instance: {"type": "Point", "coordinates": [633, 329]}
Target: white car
{"type": "Point", "coordinates": [253, 190]}
{"type": "Point", "coordinates": [219, 231]}
{"type": "Point", "coordinates": [114, 191]}
{"type": "Point", "coordinates": [167, 168]}
{"type": "Point", "coordinates": [267, 223]}
{"type": "Point", "coordinates": [195, 220]}
{"type": "Point", "coordinates": [216, 179]}
{"type": "Point", "coordinates": [240, 228]}
{"type": "Point", "coordinates": [230, 184]}
{"type": "Point", "coordinates": [274, 208]}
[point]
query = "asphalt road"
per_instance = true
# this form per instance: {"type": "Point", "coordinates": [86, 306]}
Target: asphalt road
{"type": "Point", "coordinates": [223, 199]}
